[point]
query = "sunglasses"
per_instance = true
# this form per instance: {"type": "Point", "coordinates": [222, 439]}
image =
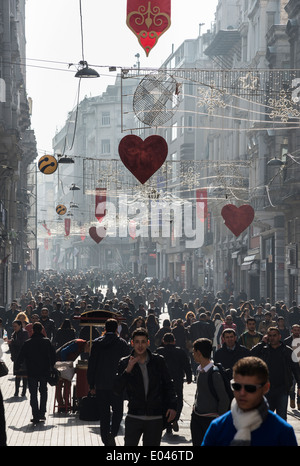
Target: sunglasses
{"type": "Point", "coordinates": [249, 388]}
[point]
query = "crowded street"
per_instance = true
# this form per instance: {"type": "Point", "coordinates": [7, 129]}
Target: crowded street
{"type": "Point", "coordinates": [149, 228]}
{"type": "Point", "coordinates": [64, 427]}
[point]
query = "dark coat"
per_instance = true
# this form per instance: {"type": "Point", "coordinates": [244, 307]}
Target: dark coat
{"type": "Point", "coordinates": [105, 355]}
{"type": "Point", "coordinates": [39, 356]}
{"type": "Point", "coordinates": [228, 357]}
{"type": "Point", "coordinates": [3, 438]}
{"type": "Point", "coordinates": [200, 329]}
{"type": "Point", "coordinates": [161, 393]}
{"type": "Point", "coordinates": [281, 364]}
{"type": "Point", "coordinates": [177, 362]}
{"type": "Point", "coordinates": [17, 341]}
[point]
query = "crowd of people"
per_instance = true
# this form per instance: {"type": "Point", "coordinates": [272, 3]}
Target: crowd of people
{"type": "Point", "coordinates": [160, 321]}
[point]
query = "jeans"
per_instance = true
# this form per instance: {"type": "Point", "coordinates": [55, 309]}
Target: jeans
{"type": "Point", "coordinates": [199, 425]}
{"type": "Point", "coordinates": [35, 385]}
{"type": "Point", "coordinates": [151, 430]}
{"type": "Point", "coordinates": [292, 391]}
{"type": "Point", "coordinates": [178, 385]}
{"type": "Point", "coordinates": [107, 401]}
{"type": "Point", "coordinates": [278, 401]}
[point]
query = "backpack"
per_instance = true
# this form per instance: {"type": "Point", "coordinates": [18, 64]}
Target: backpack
{"type": "Point", "coordinates": [225, 376]}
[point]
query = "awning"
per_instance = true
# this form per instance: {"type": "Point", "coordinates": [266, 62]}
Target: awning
{"type": "Point", "coordinates": [248, 261]}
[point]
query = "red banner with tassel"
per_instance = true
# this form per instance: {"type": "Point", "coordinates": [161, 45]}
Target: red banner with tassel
{"type": "Point", "coordinates": [67, 226]}
{"type": "Point", "coordinates": [100, 204]}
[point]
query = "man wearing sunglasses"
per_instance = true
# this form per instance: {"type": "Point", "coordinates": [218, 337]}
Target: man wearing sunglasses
{"type": "Point", "coordinates": [250, 422]}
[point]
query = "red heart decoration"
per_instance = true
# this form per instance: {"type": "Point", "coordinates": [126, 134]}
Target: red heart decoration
{"type": "Point", "coordinates": [93, 231]}
{"type": "Point", "coordinates": [237, 219]}
{"type": "Point", "coordinates": [143, 158]}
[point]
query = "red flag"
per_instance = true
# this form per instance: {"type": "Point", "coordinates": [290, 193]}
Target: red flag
{"type": "Point", "coordinates": [82, 232]}
{"type": "Point", "coordinates": [100, 203]}
{"type": "Point", "coordinates": [148, 20]}
{"type": "Point", "coordinates": [67, 226]}
{"type": "Point", "coordinates": [132, 228]}
{"type": "Point", "coordinates": [201, 203]}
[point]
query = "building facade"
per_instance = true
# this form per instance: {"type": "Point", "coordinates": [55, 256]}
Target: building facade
{"type": "Point", "coordinates": [18, 251]}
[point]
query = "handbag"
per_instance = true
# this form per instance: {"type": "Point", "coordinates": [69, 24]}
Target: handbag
{"type": "Point", "coordinates": [53, 377]}
{"type": "Point", "coordinates": [65, 369]}
{"type": "Point", "coordinates": [3, 369]}
{"type": "Point", "coordinates": [88, 408]}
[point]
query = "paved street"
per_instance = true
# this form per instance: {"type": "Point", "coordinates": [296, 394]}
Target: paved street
{"type": "Point", "coordinates": [66, 429]}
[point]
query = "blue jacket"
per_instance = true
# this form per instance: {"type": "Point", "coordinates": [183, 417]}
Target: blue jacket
{"type": "Point", "coordinates": [274, 431]}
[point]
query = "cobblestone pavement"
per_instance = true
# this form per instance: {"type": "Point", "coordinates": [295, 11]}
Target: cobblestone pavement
{"type": "Point", "coordinates": [66, 429]}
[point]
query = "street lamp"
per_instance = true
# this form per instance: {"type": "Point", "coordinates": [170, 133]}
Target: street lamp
{"type": "Point", "coordinates": [275, 162]}
{"type": "Point", "coordinates": [85, 71]}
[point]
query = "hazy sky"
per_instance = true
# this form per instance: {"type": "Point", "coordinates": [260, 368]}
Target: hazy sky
{"type": "Point", "coordinates": [53, 35]}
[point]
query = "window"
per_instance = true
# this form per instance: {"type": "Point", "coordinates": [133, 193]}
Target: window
{"type": "Point", "coordinates": [105, 119]}
{"type": "Point", "coordinates": [105, 146]}
{"type": "Point", "coordinates": [174, 131]}
{"type": "Point", "coordinates": [175, 168]}
{"type": "Point", "coordinates": [190, 123]}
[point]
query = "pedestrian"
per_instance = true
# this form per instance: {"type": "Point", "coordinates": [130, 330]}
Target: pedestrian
{"type": "Point", "coordinates": [250, 337]}
{"type": "Point", "coordinates": [231, 351]}
{"type": "Point", "coordinates": [3, 332]}
{"type": "Point", "coordinates": [39, 356]}
{"type": "Point", "coordinates": [218, 321]}
{"type": "Point", "coordinates": [106, 352]}
{"type": "Point", "coordinates": [266, 323]}
{"type": "Point", "coordinates": [137, 323]}
{"type": "Point", "coordinates": [22, 316]}
{"type": "Point", "coordinates": [206, 406]}
{"type": "Point", "coordinates": [259, 315]}
{"type": "Point", "coordinates": [64, 333]}
{"type": "Point", "coordinates": [3, 437]}
{"type": "Point", "coordinates": [152, 327]}
{"type": "Point", "coordinates": [201, 328]}
{"type": "Point", "coordinates": [48, 324]}
{"type": "Point", "coordinates": [166, 328]}
{"type": "Point", "coordinates": [282, 367]}
{"type": "Point", "coordinates": [284, 331]}
{"type": "Point", "coordinates": [28, 328]}
{"type": "Point", "coordinates": [18, 338]}
{"type": "Point", "coordinates": [150, 391]}
{"type": "Point", "coordinates": [179, 367]}
{"type": "Point", "coordinates": [181, 335]}
{"type": "Point", "coordinates": [10, 317]}
{"type": "Point", "coordinates": [228, 323]}
{"type": "Point", "coordinates": [293, 340]}
{"type": "Point", "coordinates": [294, 314]}
{"type": "Point", "coordinates": [250, 422]}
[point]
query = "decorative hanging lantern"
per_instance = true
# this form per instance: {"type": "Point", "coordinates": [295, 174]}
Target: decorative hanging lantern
{"type": "Point", "coordinates": [97, 233]}
{"type": "Point", "coordinates": [148, 20]}
{"type": "Point", "coordinates": [47, 164]}
{"type": "Point", "coordinates": [143, 158]}
{"type": "Point", "coordinates": [237, 219]}
{"type": "Point", "coordinates": [61, 209]}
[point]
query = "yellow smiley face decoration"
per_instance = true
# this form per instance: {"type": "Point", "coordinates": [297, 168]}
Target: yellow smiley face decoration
{"type": "Point", "coordinates": [61, 209]}
{"type": "Point", "coordinates": [47, 164]}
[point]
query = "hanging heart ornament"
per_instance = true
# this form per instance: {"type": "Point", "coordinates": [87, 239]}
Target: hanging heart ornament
{"type": "Point", "coordinates": [97, 234]}
{"type": "Point", "coordinates": [237, 219]}
{"type": "Point", "coordinates": [143, 158]}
